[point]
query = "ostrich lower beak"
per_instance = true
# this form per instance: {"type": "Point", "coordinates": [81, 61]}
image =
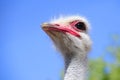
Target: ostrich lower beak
{"type": "Point", "coordinates": [51, 27]}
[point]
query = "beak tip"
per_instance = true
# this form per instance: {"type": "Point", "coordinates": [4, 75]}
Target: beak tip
{"type": "Point", "coordinates": [44, 25]}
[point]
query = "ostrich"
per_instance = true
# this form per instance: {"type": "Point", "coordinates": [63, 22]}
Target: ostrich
{"type": "Point", "coordinates": [70, 36]}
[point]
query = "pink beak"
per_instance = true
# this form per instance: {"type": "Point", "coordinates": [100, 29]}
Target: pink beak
{"type": "Point", "coordinates": [49, 27]}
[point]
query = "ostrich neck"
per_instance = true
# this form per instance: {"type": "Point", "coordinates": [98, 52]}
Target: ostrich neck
{"type": "Point", "coordinates": [76, 68]}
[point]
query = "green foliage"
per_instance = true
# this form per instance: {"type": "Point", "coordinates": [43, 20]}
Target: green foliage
{"type": "Point", "coordinates": [103, 70]}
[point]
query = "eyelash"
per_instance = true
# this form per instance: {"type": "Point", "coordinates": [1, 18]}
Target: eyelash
{"type": "Point", "coordinates": [73, 23]}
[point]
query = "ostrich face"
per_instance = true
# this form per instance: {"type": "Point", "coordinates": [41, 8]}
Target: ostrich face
{"type": "Point", "coordinates": [69, 34]}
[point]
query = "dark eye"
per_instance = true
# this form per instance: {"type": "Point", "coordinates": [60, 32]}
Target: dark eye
{"type": "Point", "coordinates": [80, 26]}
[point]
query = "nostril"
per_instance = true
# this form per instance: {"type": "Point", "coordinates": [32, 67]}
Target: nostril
{"type": "Point", "coordinates": [57, 25]}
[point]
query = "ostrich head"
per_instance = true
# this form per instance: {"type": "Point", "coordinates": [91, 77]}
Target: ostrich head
{"type": "Point", "coordinates": [70, 36]}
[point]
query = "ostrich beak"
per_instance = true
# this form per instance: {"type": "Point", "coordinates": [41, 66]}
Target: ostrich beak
{"type": "Point", "coordinates": [46, 26]}
{"type": "Point", "coordinates": [53, 27]}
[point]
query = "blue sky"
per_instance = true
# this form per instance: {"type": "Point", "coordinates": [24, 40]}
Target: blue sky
{"type": "Point", "coordinates": [26, 52]}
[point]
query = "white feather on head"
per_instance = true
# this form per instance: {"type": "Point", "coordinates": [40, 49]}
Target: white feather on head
{"type": "Point", "coordinates": [66, 19]}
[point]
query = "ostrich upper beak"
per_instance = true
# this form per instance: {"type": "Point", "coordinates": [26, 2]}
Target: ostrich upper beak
{"type": "Point", "coordinates": [52, 27]}
{"type": "Point", "coordinates": [46, 26]}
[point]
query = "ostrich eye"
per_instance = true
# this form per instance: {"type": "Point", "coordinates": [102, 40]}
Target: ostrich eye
{"type": "Point", "coordinates": [80, 26]}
